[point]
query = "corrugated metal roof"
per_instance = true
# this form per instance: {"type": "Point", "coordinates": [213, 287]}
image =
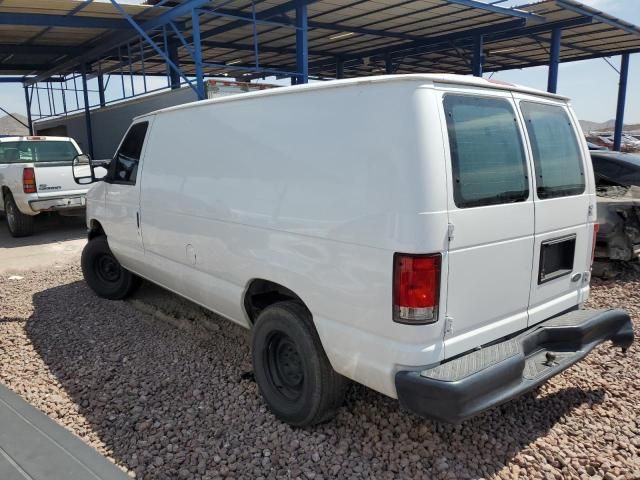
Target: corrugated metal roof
{"type": "Point", "coordinates": [415, 36]}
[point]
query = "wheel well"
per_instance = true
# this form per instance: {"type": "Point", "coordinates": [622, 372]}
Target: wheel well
{"type": "Point", "coordinates": [264, 293]}
{"type": "Point", "coordinates": [5, 190]}
{"type": "Point", "coordinates": [95, 229]}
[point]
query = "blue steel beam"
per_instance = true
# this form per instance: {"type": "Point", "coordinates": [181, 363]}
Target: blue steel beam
{"type": "Point", "coordinates": [554, 60]}
{"type": "Point", "coordinates": [302, 42]}
{"type": "Point", "coordinates": [73, 11]}
{"type": "Point", "coordinates": [263, 15]}
{"type": "Point", "coordinates": [197, 54]}
{"type": "Point", "coordinates": [44, 20]}
{"type": "Point", "coordinates": [431, 43]}
{"type": "Point", "coordinates": [622, 98]}
{"type": "Point", "coordinates": [101, 87]}
{"type": "Point", "coordinates": [122, 38]}
{"type": "Point", "coordinates": [141, 31]}
{"type": "Point", "coordinates": [27, 101]}
{"type": "Point", "coordinates": [478, 56]}
{"type": "Point", "coordinates": [589, 12]}
{"type": "Point", "coordinates": [174, 75]}
{"type": "Point", "coordinates": [496, 9]}
{"type": "Point", "coordinates": [492, 33]}
{"type": "Point", "coordinates": [40, 50]}
{"type": "Point", "coordinates": [87, 112]}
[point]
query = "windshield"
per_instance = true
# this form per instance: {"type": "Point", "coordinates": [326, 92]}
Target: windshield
{"type": "Point", "coordinates": [39, 151]}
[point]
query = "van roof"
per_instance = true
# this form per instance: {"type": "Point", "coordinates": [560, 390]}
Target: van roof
{"type": "Point", "coordinates": [430, 78]}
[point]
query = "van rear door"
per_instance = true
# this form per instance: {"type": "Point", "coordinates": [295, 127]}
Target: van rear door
{"type": "Point", "coordinates": [491, 216]}
{"type": "Point", "coordinates": [564, 207]}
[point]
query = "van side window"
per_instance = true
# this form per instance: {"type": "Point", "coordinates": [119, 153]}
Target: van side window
{"type": "Point", "coordinates": [556, 152]}
{"type": "Point", "coordinates": [487, 154]}
{"type": "Point", "coordinates": [124, 168]}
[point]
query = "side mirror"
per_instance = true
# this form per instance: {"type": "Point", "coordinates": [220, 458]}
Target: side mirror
{"type": "Point", "coordinates": [82, 169]}
{"type": "Point", "coordinates": [100, 169]}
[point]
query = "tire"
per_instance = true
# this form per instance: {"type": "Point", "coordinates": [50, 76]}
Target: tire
{"type": "Point", "coordinates": [301, 390]}
{"type": "Point", "coordinates": [104, 274]}
{"type": "Point", "coordinates": [19, 224]}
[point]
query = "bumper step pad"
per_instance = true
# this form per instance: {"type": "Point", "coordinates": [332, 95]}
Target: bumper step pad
{"type": "Point", "coordinates": [476, 381]}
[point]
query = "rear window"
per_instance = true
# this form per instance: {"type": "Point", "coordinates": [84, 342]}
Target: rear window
{"type": "Point", "coordinates": [37, 151]}
{"type": "Point", "coordinates": [556, 151]}
{"type": "Point", "coordinates": [487, 153]}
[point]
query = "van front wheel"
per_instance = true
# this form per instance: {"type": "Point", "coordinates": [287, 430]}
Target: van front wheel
{"type": "Point", "coordinates": [104, 274]}
{"type": "Point", "coordinates": [291, 368]}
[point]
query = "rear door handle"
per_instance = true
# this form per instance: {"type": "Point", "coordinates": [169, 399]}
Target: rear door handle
{"type": "Point", "coordinates": [138, 219]}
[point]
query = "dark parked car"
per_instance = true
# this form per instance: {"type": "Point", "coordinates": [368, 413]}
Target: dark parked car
{"type": "Point", "coordinates": [618, 189]}
{"type": "Point", "coordinates": [593, 146]}
{"type": "Point", "coordinates": [615, 168]}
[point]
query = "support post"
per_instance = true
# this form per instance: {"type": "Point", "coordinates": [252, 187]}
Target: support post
{"type": "Point", "coordinates": [554, 60]}
{"type": "Point", "coordinates": [388, 64]}
{"type": "Point", "coordinates": [174, 75]}
{"type": "Point", "coordinates": [28, 104]}
{"type": "Point", "coordinates": [302, 42]}
{"type": "Point", "coordinates": [339, 68]}
{"type": "Point", "coordinates": [197, 52]}
{"type": "Point", "coordinates": [622, 98]}
{"type": "Point", "coordinates": [103, 101]}
{"type": "Point", "coordinates": [87, 112]}
{"type": "Point", "coordinates": [478, 56]}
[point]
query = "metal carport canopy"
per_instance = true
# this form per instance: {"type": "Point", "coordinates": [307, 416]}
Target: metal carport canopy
{"type": "Point", "coordinates": [350, 37]}
{"type": "Point", "coordinates": [47, 40]}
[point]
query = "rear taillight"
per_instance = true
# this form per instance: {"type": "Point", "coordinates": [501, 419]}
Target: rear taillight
{"type": "Point", "coordinates": [596, 229]}
{"type": "Point", "coordinates": [416, 288]}
{"type": "Point", "coordinates": [29, 180]}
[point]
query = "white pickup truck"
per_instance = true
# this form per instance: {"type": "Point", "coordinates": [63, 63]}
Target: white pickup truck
{"type": "Point", "coordinates": [35, 177]}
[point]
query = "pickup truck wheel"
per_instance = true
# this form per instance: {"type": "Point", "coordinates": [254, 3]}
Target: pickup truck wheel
{"type": "Point", "coordinates": [104, 274]}
{"type": "Point", "coordinates": [20, 225]}
{"type": "Point", "coordinates": [291, 368]}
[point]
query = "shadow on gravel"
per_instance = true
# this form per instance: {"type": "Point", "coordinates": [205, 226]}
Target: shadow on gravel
{"type": "Point", "coordinates": [49, 228]}
{"type": "Point", "coordinates": [171, 403]}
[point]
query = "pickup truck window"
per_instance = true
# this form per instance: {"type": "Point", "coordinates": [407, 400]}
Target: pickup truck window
{"type": "Point", "coordinates": [487, 153]}
{"type": "Point", "coordinates": [555, 148]}
{"type": "Point", "coordinates": [37, 151]}
{"type": "Point", "coordinates": [125, 167]}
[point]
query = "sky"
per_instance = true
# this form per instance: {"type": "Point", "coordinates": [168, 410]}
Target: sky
{"type": "Point", "coordinates": [592, 84]}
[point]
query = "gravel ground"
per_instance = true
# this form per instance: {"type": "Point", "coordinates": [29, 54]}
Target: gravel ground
{"type": "Point", "coordinates": [163, 402]}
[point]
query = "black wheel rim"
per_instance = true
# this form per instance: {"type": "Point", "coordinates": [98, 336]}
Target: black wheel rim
{"type": "Point", "coordinates": [107, 268]}
{"type": "Point", "coordinates": [284, 366]}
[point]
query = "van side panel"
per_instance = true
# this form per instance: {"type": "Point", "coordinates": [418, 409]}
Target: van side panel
{"type": "Point", "coordinates": [314, 190]}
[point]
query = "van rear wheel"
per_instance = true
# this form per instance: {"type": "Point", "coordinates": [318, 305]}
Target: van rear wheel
{"type": "Point", "coordinates": [104, 274]}
{"type": "Point", "coordinates": [20, 225]}
{"type": "Point", "coordinates": [291, 368]}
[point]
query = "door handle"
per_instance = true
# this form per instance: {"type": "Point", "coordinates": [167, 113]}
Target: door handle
{"type": "Point", "coordinates": [138, 219]}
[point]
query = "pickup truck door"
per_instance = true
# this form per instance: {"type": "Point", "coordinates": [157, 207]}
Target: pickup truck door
{"type": "Point", "coordinates": [122, 197]}
{"type": "Point", "coordinates": [491, 218]}
{"type": "Point", "coordinates": [565, 207]}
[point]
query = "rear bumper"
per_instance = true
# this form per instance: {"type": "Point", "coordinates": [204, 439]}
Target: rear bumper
{"type": "Point", "coordinates": [474, 382]}
{"type": "Point", "coordinates": [58, 203]}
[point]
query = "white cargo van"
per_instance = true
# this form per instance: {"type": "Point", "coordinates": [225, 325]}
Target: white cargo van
{"type": "Point", "coordinates": [428, 236]}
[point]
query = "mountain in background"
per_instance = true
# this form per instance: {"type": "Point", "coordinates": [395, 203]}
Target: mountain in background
{"type": "Point", "coordinates": [9, 126]}
{"type": "Point", "coordinates": [609, 125]}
